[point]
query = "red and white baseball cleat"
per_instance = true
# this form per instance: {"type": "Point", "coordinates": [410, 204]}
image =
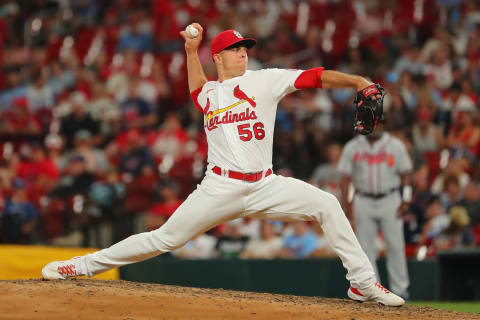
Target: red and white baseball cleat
{"type": "Point", "coordinates": [376, 293]}
{"type": "Point", "coordinates": [62, 269]}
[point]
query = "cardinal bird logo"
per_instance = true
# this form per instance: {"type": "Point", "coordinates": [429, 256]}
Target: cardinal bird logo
{"type": "Point", "coordinates": [239, 94]}
{"type": "Point", "coordinates": [237, 34]}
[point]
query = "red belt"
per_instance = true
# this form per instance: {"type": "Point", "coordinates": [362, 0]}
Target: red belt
{"type": "Point", "coordinates": [251, 177]}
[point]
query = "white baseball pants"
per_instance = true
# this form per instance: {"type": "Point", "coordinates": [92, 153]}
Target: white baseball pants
{"type": "Point", "coordinates": [219, 199]}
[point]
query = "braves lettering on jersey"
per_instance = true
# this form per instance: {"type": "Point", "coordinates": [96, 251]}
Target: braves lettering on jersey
{"type": "Point", "coordinates": [239, 117]}
{"type": "Point", "coordinates": [375, 168]}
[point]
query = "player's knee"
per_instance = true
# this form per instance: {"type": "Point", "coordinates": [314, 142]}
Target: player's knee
{"type": "Point", "coordinates": [169, 244]}
{"type": "Point", "coordinates": [331, 204]}
{"type": "Point", "coordinates": [166, 242]}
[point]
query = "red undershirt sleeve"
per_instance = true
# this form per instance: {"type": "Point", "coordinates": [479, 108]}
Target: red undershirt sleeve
{"type": "Point", "coordinates": [194, 95]}
{"type": "Point", "coordinates": [311, 78]}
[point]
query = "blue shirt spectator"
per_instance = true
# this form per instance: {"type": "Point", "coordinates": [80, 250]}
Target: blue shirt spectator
{"type": "Point", "coordinates": [137, 41]}
{"type": "Point", "coordinates": [299, 244]}
{"type": "Point", "coordinates": [7, 97]}
{"type": "Point", "coordinates": [137, 113]}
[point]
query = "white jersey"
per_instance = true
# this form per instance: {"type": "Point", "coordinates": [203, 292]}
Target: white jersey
{"type": "Point", "coordinates": [239, 117]}
{"type": "Point", "coordinates": [375, 168]}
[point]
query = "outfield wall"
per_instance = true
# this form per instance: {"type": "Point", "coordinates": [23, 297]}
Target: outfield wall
{"type": "Point", "coordinates": [318, 277]}
{"type": "Point", "coordinates": [452, 276]}
{"type": "Point", "coordinates": [26, 262]}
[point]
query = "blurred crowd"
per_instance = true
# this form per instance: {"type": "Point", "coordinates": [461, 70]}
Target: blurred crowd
{"type": "Point", "coordinates": [97, 126]}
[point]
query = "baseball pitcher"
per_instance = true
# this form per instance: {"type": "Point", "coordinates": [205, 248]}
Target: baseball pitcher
{"type": "Point", "coordinates": [239, 114]}
{"type": "Point", "coordinates": [378, 166]}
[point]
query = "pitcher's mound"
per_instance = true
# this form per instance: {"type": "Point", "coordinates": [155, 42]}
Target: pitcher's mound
{"type": "Point", "coordinates": [104, 299]}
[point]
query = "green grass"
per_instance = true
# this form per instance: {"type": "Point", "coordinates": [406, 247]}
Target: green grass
{"type": "Point", "coordinates": [449, 305]}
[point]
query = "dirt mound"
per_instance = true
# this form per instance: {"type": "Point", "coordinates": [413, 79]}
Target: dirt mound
{"type": "Point", "coordinates": [106, 299]}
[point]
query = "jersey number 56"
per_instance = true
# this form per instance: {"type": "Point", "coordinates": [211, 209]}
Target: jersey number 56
{"type": "Point", "coordinates": [246, 133]}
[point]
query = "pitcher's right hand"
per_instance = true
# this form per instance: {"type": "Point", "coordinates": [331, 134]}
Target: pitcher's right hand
{"type": "Point", "coordinates": [192, 44]}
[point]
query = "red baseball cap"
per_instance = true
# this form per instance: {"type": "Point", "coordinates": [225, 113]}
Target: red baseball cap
{"type": "Point", "coordinates": [228, 38]}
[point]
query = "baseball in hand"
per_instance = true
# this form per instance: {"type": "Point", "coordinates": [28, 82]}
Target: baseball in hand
{"type": "Point", "coordinates": [191, 31]}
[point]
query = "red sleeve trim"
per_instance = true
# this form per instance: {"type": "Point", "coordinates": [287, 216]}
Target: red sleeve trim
{"type": "Point", "coordinates": [311, 78]}
{"type": "Point", "coordinates": [194, 96]}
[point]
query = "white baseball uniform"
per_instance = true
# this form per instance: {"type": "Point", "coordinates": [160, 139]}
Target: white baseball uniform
{"type": "Point", "coordinates": [375, 170]}
{"type": "Point", "coordinates": [239, 116]}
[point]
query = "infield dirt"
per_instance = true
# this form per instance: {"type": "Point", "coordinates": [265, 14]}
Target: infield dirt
{"type": "Point", "coordinates": [106, 299]}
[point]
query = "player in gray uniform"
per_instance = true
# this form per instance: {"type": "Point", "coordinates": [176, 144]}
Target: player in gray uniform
{"type": "Point", "coordinates": [378, 166]}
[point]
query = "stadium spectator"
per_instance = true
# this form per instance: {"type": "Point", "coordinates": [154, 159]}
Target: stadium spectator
{"type": "Point", "coordinates": [250, 228]}
{"type": "Point", "coordinates": [426, 136]}
{"type": "Point", "coordinates": [451, 192]}
{"type": "Point", "coordinates": [140, 190]}
{"type": "Point", "coordinates": [77, 179]}
{"type": "Point", "coordinates": [135, 155]}
{"type": "Point", "coordinates": [464, 136]}
{"type": "Point", "coordinates": [19, 121]}
{"type": "Point", "coordinates": [39, 94]}
{"type": "Point", "coordinates": [471, 202]}
{"type": "Point", "coordinates": [107, 196]}
{"type": "Point", "coordinates": [200, 247]}
{"type": "Point", "coordinates": [266, 247]}
{"type": "Point", "coordinates": [72, 192]}
{"type": "Point", "coordinates": [326, 176]}
{"type": "Point", "coordinates": [456, 234]}
{"type": "Point", "coordinates": [137, 113]}
{"type": "Point", "coordinates": [231, 243]}
{"type": "Point", "coordinates": [104, 109]}
{"type": "Point", "coordinates": [8, 168]}
{"type": "Point", "coordinates": [79, 119]}
{"type": "Point", "coordinates": [300, 243]}
{"type": "Point", "coordinates": [440, 67]}
{"type": "Point", "coordinates": [411, 61]}
{"type": "Point", "coordinates": [415, 217]}
{"type": "Point", "coordinates": [36, 165]}
{"type": "Point", "coordinates": [453, 103]}
{"type": "Point", "coordinates": [439, 37]}
{"type": "Point", "coordinates": [137, 34]}
{"type": "Point", "coordinates": [19, 216]}
{"type": "Point", "coordinates": [54, 145]}
{"type": "Point", "coordinates": [95, 160]}
{"type": "Point", "coordinates": [169, 202]}
{"type": "Point", "coordinates": [323, 249]}
{"type": "Point", "coordinates": [408, 89]}
{"type": "Point", "coordinates": [437, 221]}
{"type": "Point", "coordinates": [398, 118]}
{"type": "Point", "coordinates": [455, 167]}
{"type": "Point", "coordinates": [170, 139]}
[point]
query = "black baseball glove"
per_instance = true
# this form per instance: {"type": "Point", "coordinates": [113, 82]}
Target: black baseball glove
{"type": "Point", "coordinates": [369, 102]}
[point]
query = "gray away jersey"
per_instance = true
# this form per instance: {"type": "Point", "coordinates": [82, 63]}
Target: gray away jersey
{"type": "Point", "coordinates": [375, 168]}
